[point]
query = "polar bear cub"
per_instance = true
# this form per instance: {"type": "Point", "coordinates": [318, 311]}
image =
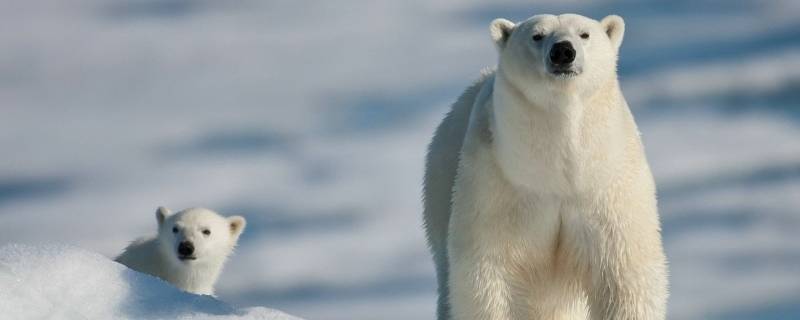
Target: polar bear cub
{"type": "Point", "coordinates": [539, 201]}
{"type": "Point", "coordinates": [190, 249]}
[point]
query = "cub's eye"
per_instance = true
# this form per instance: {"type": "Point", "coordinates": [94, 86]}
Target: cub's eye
{"type": "Point", "coordinates": [584, 35]}
{"type": "Point", "coordinates": [538, 37]}
{"type": "Point", "coordinates": [206, 232]}
{"type": "Point", "coordinates": [174, 229]}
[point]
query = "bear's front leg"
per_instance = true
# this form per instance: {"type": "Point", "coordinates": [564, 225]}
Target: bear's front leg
{"type": "Point", "coordinates": [628, 273]}
{"type": "Point", "coordinates": [478, 287]}
{"type": "Point", "coordinates": [477, 246]}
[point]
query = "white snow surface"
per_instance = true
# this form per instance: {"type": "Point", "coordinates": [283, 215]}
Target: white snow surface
{"type": "Point", "coordinates": [68, 283]}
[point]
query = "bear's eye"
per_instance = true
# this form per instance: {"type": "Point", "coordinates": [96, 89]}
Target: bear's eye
{"type": "Point", "coordinates": [538, 37]}
{"type": "Point", "coordinates": [174, 229]}
{"type": "Point", "coordinates": [584, 35]}
{"type": "Point", "coordinates": [206, 232]}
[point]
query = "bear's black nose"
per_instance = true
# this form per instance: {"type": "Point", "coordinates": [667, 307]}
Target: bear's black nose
{"type": "Point", "coordinates": [562, 53]}
{"type": "Point", "coordinates": [185, 248]}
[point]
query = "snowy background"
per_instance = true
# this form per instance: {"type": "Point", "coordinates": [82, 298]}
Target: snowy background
{"type": "Point", "coordinates": [311, 119]}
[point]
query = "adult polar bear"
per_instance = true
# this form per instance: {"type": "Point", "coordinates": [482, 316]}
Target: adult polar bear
{"type": "Point", "coordinates": [539, 202]}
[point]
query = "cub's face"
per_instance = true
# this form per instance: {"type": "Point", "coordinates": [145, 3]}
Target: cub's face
{"type": "Point", "coordinates": [196, 236]}
{"type": "Point", "coordinates": [558, 50]}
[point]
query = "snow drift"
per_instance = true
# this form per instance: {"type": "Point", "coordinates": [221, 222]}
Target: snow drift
{"type": "Point", "coordinates": [62, 282]}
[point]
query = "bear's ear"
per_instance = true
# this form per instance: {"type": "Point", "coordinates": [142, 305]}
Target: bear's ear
{"type": "Point", "coordinates": [614, 27]}
{"type": "Point", "coordinates": [501, 30]}
{"type": "Point", "coordinates": [161, 214]}
{"type": "Point", "coordinates": [237, 224]}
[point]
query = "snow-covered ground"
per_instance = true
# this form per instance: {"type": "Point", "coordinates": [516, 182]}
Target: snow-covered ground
{"type": "Point", "coordinates": [311, 120]}
{"type": "Point", "coordinates": [66, 283]}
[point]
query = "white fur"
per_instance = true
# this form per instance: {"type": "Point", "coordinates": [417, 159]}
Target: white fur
{"type": "Point", "coordinates": [158, 255]}
{"type": "Point", "coordinates": [539, 202]}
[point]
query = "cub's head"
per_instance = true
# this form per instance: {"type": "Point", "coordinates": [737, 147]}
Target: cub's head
{"type": "Point", "coordinates": [558, 50]}
{"type": "Point", "coordinates": [197, 235]}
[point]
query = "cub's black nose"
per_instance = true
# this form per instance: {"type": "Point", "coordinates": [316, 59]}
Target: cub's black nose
{"type": "Point", "coordinates": [562, 53]}
{"type": "Point", "coordinates": [186, 248]}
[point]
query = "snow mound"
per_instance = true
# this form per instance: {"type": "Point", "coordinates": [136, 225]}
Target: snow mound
{"type": "Point", "coordinates": [62, 282]}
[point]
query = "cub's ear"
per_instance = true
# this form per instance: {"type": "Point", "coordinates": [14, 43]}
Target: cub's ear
{"type": "Point", "coordinates": [614, 27]}
{"type": "Point", "coordinates": [237, 224]}
{"type": "Point", "coordinates": [501, 30]}
{"type": "Point", "coordinates": [161, 214]}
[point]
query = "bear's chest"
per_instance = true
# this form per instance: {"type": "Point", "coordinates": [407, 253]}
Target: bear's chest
{"type": "Point", "coordinates": [539, 151]}
{"type": "Point", "coordinates": [528, 230]}
{"type": "Point", "coordinates": [540, 163]}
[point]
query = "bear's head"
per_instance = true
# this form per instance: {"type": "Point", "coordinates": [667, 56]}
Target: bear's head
{"type": "Point", "coordinates": [551, 53]}
{"type": "Point", "coordinates": [197, 235]}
